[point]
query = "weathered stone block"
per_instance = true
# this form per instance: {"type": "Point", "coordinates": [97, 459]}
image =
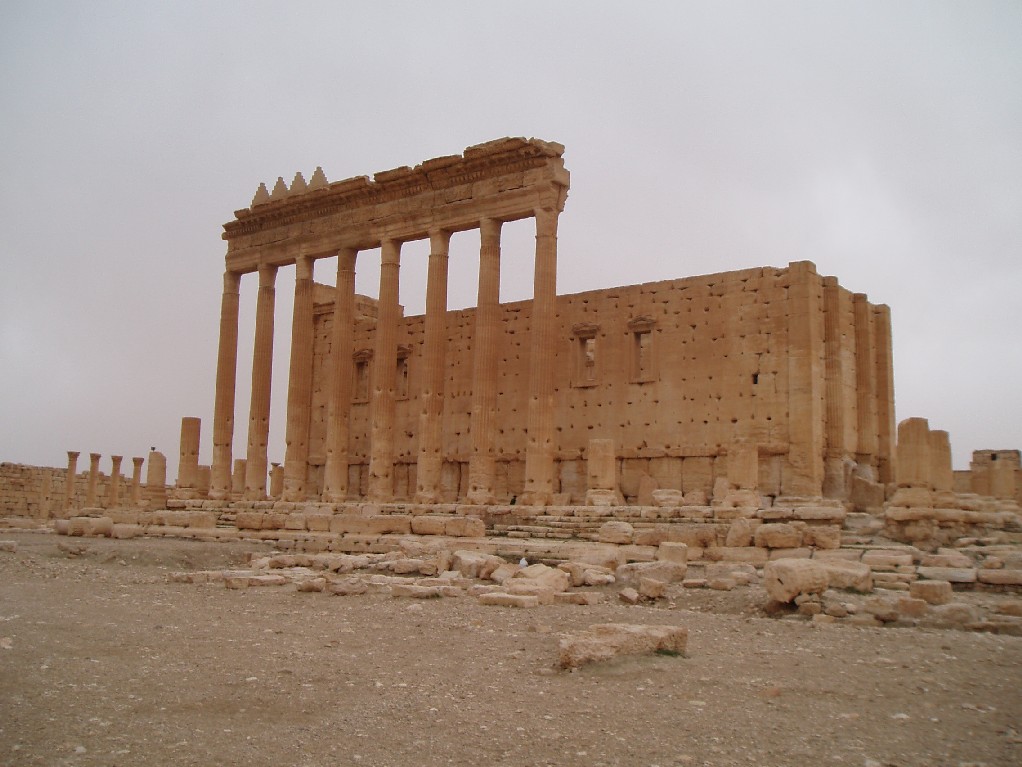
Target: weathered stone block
{"type": "Point", "coordinates": [843, 574]}
{"type": "Point", "coordinates": [501, 599]}
{"type": "Point", "coordinates": [778, 536]}
{"type": "Point", "coordinates": [785, 579]}
{"type": "Point", "coordinates": [671, 551]}
{"type": "Point", "coordinates": [933, 592]}
{"type": "Point", "coordinates": [465, 527]}
{"type": "Point", "coordinates": [616, 532]}
{"type": "Point", "coordinates": [426, 525]}
{"type": "Point", "coordinates": [604, 641]}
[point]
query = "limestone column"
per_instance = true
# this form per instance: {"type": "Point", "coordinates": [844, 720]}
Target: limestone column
{"type": "Point", "coordinates": [431, 456]}
{"type": "Point", "coordinates": [113, 497]}
{"type": "Point", "coordinates": [539, 448]}
{"type": "Point", "coordinates": [69, 480]}
{"type": "Point", "coordinates": [805, 382]}
{"type": "Point", "coordinates": [262, 368]}
{"type": "Point", "coordinates": [840, 420]}
{"type": "Point", "coordinates": [136, 480]}
{"type": "Point", "coordinates": [941, 473]}
{"type": "Point", "coordinates": [299, 389]}
{"type": "Point", "coordinates": [226, 375]}
{"type": "Point", "coordinates": [188, 461]}
{"type": "Point", "coordinates": [238, 478]}
{"type": "Point", "coordinates": [276, 480]}
{"type": "Point", "coordinates": [884, 393]}
{"type": "Point", "coordinates": [90, 493]}
{"type": "Point", "coordinates": [482, 466]}
{"type": "Point", "coordinates": [335, 473]}
{"type": "Point", "coordinates": [865, 382]}
{"type": "Point", "coordinates": [381, 449]}
{"type": "Point", "coordinates": [914, 453]}
{"type": "Point", "coordinates": [156, 480]}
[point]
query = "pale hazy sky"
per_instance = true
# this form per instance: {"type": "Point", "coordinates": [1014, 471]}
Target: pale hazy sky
{"type": "Point", "coordinates": [883, 141]}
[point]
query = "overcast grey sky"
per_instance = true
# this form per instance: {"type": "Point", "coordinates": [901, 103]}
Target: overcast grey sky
{"type": "Point", "coordinates": [883, 141]}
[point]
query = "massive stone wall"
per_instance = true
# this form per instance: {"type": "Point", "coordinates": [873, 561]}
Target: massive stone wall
{"type": "Point", "coordinates": [678, 374]}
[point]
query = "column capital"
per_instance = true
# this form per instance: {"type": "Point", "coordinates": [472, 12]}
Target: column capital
{"type": "Point", "coordinates": [72, 455]}
{"type": "Point", "coordinates": [232, 281]}
{"type": "Point", "coordinates": [490, 227]}
{"type": "Point", "coordinates": [267, 275]}
{"type": "Point", "coordinates": [303, 267]}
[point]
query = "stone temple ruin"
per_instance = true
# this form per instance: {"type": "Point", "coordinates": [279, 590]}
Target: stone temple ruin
{"type": "Point", "coordinates": [732, 420]}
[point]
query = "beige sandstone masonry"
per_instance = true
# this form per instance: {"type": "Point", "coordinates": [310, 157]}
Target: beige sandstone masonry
{"type": "Point", "coordinates": [765, 382]}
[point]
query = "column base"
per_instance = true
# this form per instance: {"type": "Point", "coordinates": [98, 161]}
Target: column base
{"type": "Point", "coordinates": [539, 498]}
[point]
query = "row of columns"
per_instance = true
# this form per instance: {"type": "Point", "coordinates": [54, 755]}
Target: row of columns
{"type": "Point", "coordinates": [92, 488]}
{"type": "Point", "coordinates": [539, 458]}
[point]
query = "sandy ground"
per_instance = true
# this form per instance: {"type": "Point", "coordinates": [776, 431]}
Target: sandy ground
{"type": "Point", "coordinates": [103, 661]}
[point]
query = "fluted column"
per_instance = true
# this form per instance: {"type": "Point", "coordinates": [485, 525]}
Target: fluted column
{"type": "Point", "coordinates": [226, 374]}
{"type": "Point", "coordinates": [806, 379]}
{"type": "Point", "coordinates": [335, 473]}
{"type": "Point", "coordinates": [865, 382]}
{"type": "Point", "coordinates": [113, 497]}
{"type": "Point", "coordinates": [69, 480]}
{"type": "Point", "coordinates": [90, 493]}
{"type": "Point", "coordinates": [136, 480]}
{"type": "Point", "coordinates": [884, 393]}
{"type": "Point", "coordinates": [262, 369]}
{"type": "Point", "coordinates": [299, 392]}
{"type": "Point", "coordinates": [539, 449]}
{"type": "Point", "coordinates": [431, 456]}
{"type": "Point", "coordinates": [481, 466]}
{"type": "Point", "coordinates": [381, 455]}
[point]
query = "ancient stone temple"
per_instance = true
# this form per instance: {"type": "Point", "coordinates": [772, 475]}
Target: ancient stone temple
{"type": "Point", "coordinates": [769, 382]}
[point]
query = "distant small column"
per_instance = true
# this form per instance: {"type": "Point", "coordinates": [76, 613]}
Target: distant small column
{"type": "Point", "coordinates": [482, 464]}
{"type": "Point", "coordinates": [299, 392]}
{"type": "Point", "coordinates": [914, 453]}
{"type": "Point", "coordinates": [136, 480]}
{"type": "Point", "coordinates": [431, 457]}
{"type": "Point", "coordinates": [69, 480]}
{"type": "Point", "coordinates": [539, 446]}
{"type": "Point", "coordinates": [90, 493]}
{"type": "Point", "coordinates": [113, 498]}
{"type": "Point", "coordinates": [865, 381]}
{"type": "Point", "coordinates": [381, 456]}
{"type": "Point", "coordinates": [156, 480]}
{"type": "Point", "coordinates": [238, 478]}
{"type": "Point", "coordinates": [262, 370]}
{"type": "Point", "coordinates": [226, 379]}
{"type": "Point", "coordinates": [188, 465]}
{"type": "Point", "coordinates": [941, 474]}
{"type": "Point", "coordinates": [276, 481]}
{"type": "Point", "coordinates": [335, 474]}
{"type": "Point", "coordinates": [202, 481]}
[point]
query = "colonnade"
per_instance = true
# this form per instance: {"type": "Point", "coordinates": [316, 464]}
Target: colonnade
{"type": "Point", "coordinates": [539, 458]}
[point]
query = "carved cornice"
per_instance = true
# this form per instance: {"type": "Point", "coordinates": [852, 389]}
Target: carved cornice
{"type": "Point", "coordinates": [484, 162]}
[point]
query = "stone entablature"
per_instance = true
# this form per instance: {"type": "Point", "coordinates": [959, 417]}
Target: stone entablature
{"type": "Point", "coordinates": [504, 180]}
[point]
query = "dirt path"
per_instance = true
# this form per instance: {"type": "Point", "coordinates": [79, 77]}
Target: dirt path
{"type": "Point", "coordinates": [105, 662]}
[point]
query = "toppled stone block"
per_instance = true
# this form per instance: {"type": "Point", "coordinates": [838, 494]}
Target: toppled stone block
{"type": "Point", "coordinates": [551, 578]}
{"type": "Point", "coordinates": [629, 596]}
{"type": "Point", "coordinates": [822, 536]}
{"type": "Point", "coordinates": [11, 547]}
{"type": "Point", "coordinates": [608, 640]}
{"type": "Point", "coordinates": [950, 574]}
{"type": "Point", "coordinates": [842, 574]}
{"type": "Point", "coordinates": [414, 591]}
{"type": "Point", "coordinates": [503, 599]}
{"type": "Point", "coordinates": [933, 592]}
{"type": "Point", "coordinates": [651, 588]}
{"type": "Point", "coordinates": [474, 564]}
{"type": "Point", "coordinates": [785, 579]}
{"type": "Point", "coordinates": [668, 572]}
{"type": "Point", "coordinates": [1001, 577]}
{"type": "Point", "coordinates": [348, 587]}
{"type": "Point", "coordinates": [578, 598]}
{"type": "Point", "coordinates": [616, 532]}
{"type": "Point", "coordinates": [311, 585]}
{"type": "Point", "coordinates": [886, 560]}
